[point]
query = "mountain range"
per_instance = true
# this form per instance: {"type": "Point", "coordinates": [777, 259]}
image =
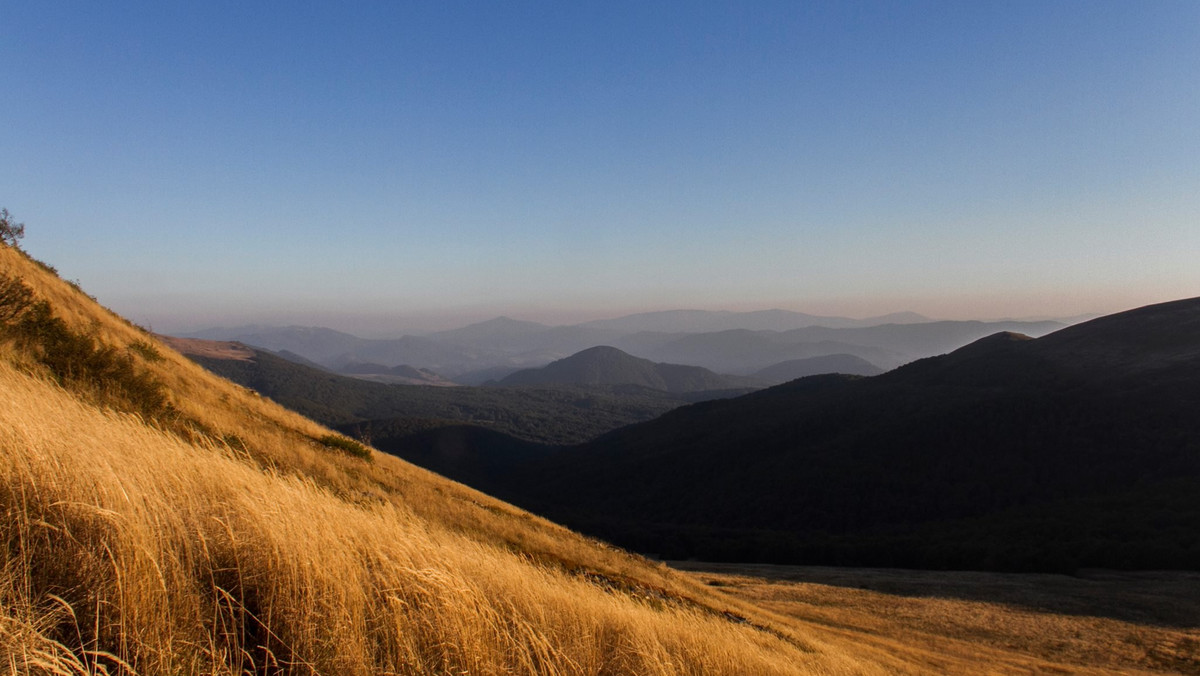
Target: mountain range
{"type": "Point", "coordinates": [707, 321]}
{"type": "Point", "coordinates": [724, 342]}
{"type": "Point", "coordinates": [1079, 448]}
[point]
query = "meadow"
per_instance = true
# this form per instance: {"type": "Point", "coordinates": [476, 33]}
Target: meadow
{"type": "Point", "coordinates": [1096, 621]}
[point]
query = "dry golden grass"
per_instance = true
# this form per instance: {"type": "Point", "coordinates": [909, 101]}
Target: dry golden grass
{"type": "Point", "coordinates": [988, 622]}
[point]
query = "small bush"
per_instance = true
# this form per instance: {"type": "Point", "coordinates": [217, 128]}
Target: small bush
{"type": "Point", "coordinates": [348, 446]}
{"type": "Point", "coordinates": [15, 299]}
{"type": "Point", "coordinates": [146, 350]}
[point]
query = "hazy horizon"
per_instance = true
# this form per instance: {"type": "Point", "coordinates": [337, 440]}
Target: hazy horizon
{"type": "Point", "coordinates": [380, 326]}
{"type": "Point", "coordinates": [385, 169]}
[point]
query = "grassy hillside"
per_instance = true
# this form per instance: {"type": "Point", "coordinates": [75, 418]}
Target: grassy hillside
{"type": "Point", "coordinates": [188, 526]}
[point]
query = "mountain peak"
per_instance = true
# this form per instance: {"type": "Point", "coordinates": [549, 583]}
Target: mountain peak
{"type": "Point", "coordinates": [603, 352]}
{"type": "Point", "coordinates": [607, 365]}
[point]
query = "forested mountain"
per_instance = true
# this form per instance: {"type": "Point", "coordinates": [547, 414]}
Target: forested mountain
{"type": "Point", "coordinates": [548, 415]}
{"type": "Point", "coordinates": [609, 366]}
{"type": "Point", "coordinates": [724, 342]}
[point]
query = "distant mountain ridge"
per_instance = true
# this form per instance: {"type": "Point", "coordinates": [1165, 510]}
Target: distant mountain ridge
{"type": "Point", "coordinates": [706, 321]}
{"type": "Point", "coordinates": [757, 340]}
{"type": "Point", "coordinates": [335, 349]}
{"type": "Point", "coordinates": [742, 351]}
{"type": "Point", "coordinates": [605, 365]}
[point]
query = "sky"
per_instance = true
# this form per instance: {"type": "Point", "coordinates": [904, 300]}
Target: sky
{"type": "Point", "coordinates": [387, 167]}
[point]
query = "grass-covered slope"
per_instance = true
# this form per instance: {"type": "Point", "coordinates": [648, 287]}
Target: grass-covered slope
{"type": "Point", "coordinates": [187, 526]}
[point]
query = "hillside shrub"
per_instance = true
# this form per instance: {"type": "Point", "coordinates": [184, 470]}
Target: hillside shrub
{"type": "Point", "coordinates": [15, 299]}
{"type": "Point", "coordinates": [346, 445]}
{"type": "Point", "coordinates": [146, 350]}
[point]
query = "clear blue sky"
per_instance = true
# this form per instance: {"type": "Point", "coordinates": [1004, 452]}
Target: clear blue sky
{"type": "Point", "coordinates": [394, 165]}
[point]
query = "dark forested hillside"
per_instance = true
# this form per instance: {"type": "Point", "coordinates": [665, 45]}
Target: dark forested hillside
{"type": "Point", "coordinates": [609, 366]}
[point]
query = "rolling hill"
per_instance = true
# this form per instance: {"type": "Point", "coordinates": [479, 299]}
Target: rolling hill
{"type": "Point", "coordinates": [605, 365]}
{"type": "Point", "coordinates": [335, 349]}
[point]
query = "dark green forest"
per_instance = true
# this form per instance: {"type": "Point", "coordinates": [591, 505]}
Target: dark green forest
{"type": "Point", "coordinates": [558, 414]}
